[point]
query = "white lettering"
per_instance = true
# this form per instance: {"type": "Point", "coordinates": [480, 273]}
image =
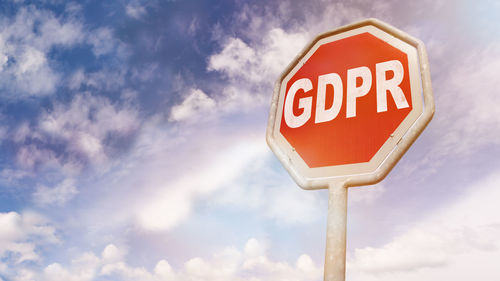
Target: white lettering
{"type": "Point", "coordinates": [353, 91]}
{"type": "Point", "coordinates": [305, 103]}
{"type": "Point", "coordinates": [323, 114]}
{"type": "Point", "coordinates": [391, 85]}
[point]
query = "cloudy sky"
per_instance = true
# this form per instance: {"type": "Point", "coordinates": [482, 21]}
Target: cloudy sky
{"type": "Point", "coordinates": [132, 145]}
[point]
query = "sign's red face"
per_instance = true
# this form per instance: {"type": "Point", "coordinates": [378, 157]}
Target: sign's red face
{"type": "Point", "coordinates": [350, 105]}
{"type": "Point", "coordinates": [344, 103]}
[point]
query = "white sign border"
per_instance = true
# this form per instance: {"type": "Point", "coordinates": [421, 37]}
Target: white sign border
{"type": "Point", "coordinates": [393, 149]}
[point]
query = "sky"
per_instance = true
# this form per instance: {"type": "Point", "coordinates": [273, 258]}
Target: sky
{"type": "Point", "coordinates": [132, 145]}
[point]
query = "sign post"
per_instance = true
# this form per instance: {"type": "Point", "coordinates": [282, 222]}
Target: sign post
{"type": "Point", "coordinates": [345, 111]}
{"type": "Point", "coordinates": [336, 233]}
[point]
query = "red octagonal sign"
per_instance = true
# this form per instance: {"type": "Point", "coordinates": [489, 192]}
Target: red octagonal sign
{"type": "Point", "coordinates": [349, 106]}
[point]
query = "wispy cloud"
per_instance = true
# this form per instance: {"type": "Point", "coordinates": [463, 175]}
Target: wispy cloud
{"type": "Point", "coordinates": [468, 119]}
{"type": "Point", "coordinates": [57, 195]}
{"type": "Point", "coordinates": [270, 195]}
{"type": "Point", "coordinates": [173, 201]}
{"type": "Point", "coordinates": [104, 42]}
{"type": "Point", "coordinates": [467, 227]}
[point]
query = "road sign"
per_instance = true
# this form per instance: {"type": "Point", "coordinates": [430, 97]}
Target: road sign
{"type": "Point", "coordinates": [350, 104]}
{"type": "Point", "coordinates": [345, 111]}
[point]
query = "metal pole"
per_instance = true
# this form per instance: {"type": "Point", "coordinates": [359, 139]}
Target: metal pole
{"type": "Point", "coordinates": [336, 233]}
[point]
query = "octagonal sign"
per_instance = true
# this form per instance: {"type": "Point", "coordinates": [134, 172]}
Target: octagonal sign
{"type": "Point", "coordinates": [350, 104]}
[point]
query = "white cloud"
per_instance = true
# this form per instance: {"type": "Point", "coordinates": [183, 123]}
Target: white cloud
{"type": "Point", "coordinates": [17, 233]}
{"type": "Point", "coordinates": [86, 127]}
{"type": "Point", "coordinates": [366, 194]}
{"type": "Point", "coordinates": [467, 118]}
{"type": "Point", "coordinates": [57, 272]}
{"type": "Point", "coordinates": [30, 155]}
{"type": "Point", "coordinates": [55, 32]}
{"type": "Point", "coordinates": [30, 72]}
{"type": "Point", "coordinates": [102, 41]}
{"type": "Point", "coordinates": [135, 11]}
{"type": "Point", "coordinates": [290, 204]}
{"type": "Point", "coordinates": [196, 104]}
{"type": "Point", "coordinates": [280, 48]}
{"type": "Point", "coordinates": [106, 79]}
{"type": "Point", "coordinates": [473, 121]}
{"type": "Point", "coordinates": [229, 264]}
{"type": "Point", "coordinates": [3, 61]}
{"type": "Point", "coordinates": [84, 268]}
{"type": "Point", "coordinates": [58, 195]}
{"type": "Point", "coordinates": [234, 59]}
{"type": "Point", "coordinates": [27, 40]}
{"type": "Point", "coordinates": [33, 75]}
{"type": "Point", "coordinates": [31, 60]}
{"type": "Point", "coordinates": [461, 231]}
{"type": "Point", "coordinates": [77, 79]}
{"type": "Point", "coordinates": [12, 175]}
{"type": "Point", "coordinates": [280, 200]}
{"type": "Point", "coordinates": [166, 212]}
{"type": "Point", "coordinates": [173, 201]}
{"type": "Point", "coordinates": [111, 254]}
{"type": "Point", "coordinates": [253, 68]}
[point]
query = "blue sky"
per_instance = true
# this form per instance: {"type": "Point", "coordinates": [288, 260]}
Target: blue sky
{"type": "Point", "coordinates": [132, 145]}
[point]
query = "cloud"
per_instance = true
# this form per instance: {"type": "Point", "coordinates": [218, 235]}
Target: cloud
{"type": "Point", "coordinates": [472, 123]}
{"type": "Point", "coordinates": [24, 64]}
{"type": "Point", "coordinates": [135, 11]}
{"type": "Point", "coordinates": [230, 264]}
{"type": "Point", "coordinates": [251, 69]}
{"type": "Point", "coordinates": [172, 202]}
{"type": "Point", "coordinates": [17, 234]}
{"type": "Point", "coordinates": [28, 41]}
{"type": "Point", "coordinates": [250, 264]}
{"type": "Point", "coordinates": [467, 228]}
{"type": "Point", "coordinates": [196, 104]}
{"type": "Point", "coordinates": [103, 41]}
{"type": "Point", "coordinates": [105, 79]}
{"type": "Point", "coordinates": [366, 195]}
{"type": "Point", "coordinates": [292, 205]}
{"type": "Point", "coordinates": [84, 268]}
{"type": "Point", "coordinates": [257, 64]}
{"type": "Point", "coordinates": [58, 195]}
{"type": "Point", "coordinates": [274, 196]}
{"type": "Point", "coordinates": [467, 117]}
{"type": "Point", "coordinates": [269, 39]}
{"type": "Point", "coordinates": [12, 175]}
{"type": "Point", "coordinates": [30, 60]}
{"type": "Point", "coordinates": [87, 128]}
{"type": "Point", "coordinates": [233, 58]}
{"type": "Point", "coordinates": [28, 156]}
{"type": "Point", "coordinates": [111, 254]}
